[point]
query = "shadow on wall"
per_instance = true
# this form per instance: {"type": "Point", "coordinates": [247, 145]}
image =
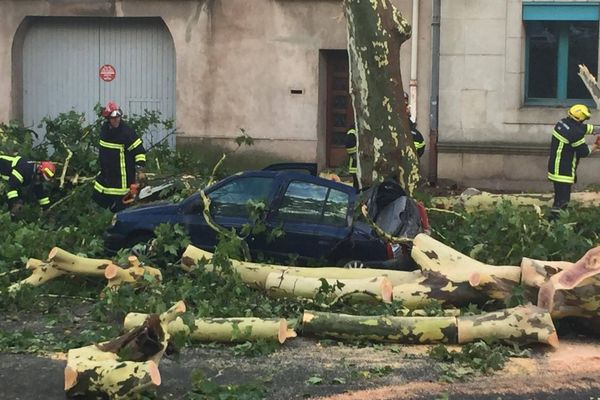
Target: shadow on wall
{"type": "Point", "coordinates": [245, 158]}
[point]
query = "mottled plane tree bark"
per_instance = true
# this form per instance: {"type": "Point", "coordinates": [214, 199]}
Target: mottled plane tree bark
{"type": "Point", "coordinates": [376, 29]}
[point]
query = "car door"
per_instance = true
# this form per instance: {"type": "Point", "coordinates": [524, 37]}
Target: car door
{"type": "Point", "coordinates": [229, 206]}
{"type": "Point", "coordinates": [315, 215]}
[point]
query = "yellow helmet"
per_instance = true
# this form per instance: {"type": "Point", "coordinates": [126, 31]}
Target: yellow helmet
{"type": "Point", "coordinates": [579, 112]}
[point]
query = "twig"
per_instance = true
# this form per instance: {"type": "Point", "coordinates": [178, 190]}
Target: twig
{"type": "Point", "coordinates": [446, 211]}
{"type": "Point", "coordinates": [14, 271]}
{"type": "Point", "coordinates": [62, 296]}
{"type": "Point", "coordinates": [66, 166]}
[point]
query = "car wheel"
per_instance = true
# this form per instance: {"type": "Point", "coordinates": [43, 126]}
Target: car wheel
{"type": "Point", "coordinates": [354, 264]}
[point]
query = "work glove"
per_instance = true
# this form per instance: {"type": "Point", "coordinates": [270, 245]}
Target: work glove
{"type": "Point", "coordinates": [597, 142]}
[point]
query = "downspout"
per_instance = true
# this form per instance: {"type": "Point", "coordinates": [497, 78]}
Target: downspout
{"type": "Point", "coordinates": [413, 60]}
{"type": "Point", "coordinates": [435, 89]}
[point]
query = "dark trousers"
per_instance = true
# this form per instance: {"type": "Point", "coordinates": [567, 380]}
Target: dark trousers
{"type": "Point", "coordinates": [562, 196]}
{"type": "Point", "coordinates": [111, 202]}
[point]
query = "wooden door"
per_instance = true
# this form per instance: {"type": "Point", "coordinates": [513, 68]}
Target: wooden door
{"type": "Point", "coordinates": [340, 115]}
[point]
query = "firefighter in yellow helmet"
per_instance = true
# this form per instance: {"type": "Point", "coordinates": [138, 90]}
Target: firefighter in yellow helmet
{"type": "Point", "coordinates": [567, 147]}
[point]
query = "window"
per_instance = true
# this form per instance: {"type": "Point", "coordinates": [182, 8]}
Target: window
{"type": "Point", "coordinates": [231, 199]}
{"type": "Point", "coordinates": [559, 38]}
{"type": "Point", "coordinates": [310, 203]}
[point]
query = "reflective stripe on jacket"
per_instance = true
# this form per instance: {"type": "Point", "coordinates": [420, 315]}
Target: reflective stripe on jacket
{"type": "Point", "coordinates": [20, 173]}
{"type": "Point", "coordinates": [351, 149]}
{"type": "Point", "coordinates": [417, 138]}
{"type": "Point", "coordinates": [566, 148]}
{"type": "Point", "coordinates": [120, 150]}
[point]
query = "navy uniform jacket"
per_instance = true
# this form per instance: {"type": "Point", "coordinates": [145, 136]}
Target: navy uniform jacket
{"type": "Point", "coordinates": [20, 173]}
{"type": "Point", "coordinates": [120, 150]}
{"type": "Point", "coordinates": [567, 147]}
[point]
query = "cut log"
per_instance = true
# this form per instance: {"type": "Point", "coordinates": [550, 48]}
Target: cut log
{"type": "Point", "coordinates": [41, 272]}
{"type": "Point", "coordinates": [228, 330]}
{"type": "Point", "coordinates": [423, 330]}
{"type": "Point", "coordinates": [586, 267]}
{"type": "Point", "coordinates": [522, 325]}
{"type": "Point", "coordinates": [124, 366]}
{"type": "Point", "coordinates": [581, 301]}
{"type": "Point", "coordinates": [133, 275]}
{"type": "Point", "coordinates": [115, 379]}
{"type": "Point", "coordinates": [72, 263]}
{"type": "Point", "coordinates": [496, 282]}
{"type": "Point", "coordinates": [434, 286]}
{"type": "Point", "coordinates": [255, 274]}
{"type": "Point", "coordinates": [281, 284]}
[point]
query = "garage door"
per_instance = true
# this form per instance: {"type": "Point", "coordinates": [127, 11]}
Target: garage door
{"type": "Point", "coordinates": [62, 60]}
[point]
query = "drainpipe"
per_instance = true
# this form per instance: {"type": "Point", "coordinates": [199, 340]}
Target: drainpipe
{"type": "Point", "coordinates": [413, 60]}
{"type": "Point", "coordinates": [435, 89]}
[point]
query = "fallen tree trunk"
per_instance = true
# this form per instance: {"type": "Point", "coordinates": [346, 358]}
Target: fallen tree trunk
{"type": "Point", "coordinates": [134, 274]}
{"type": "Point", "coordinates": [281, 284]}
{"type": "Point", "coordinates": [255, 274]}
{"type": "Point", "coordinates": [423, 330]}
{"type": "Point", "coordinates": [474, 200]}
{"type": "Point", "coordinates": [567, 279]}
{"type": "Point", "coordinates": [495, 282]}
{"type": "Point", "coordinates": [124, 366]}
{"type": "Point", "coordinates": [229, 330]}
{"type": "Point", "coordinates": [522, 325]}
{"type": "Point", "coordinates": [41, 272]}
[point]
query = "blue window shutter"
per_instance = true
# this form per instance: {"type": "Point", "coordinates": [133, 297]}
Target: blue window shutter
{"type": "Point", "coordinates": [538, 11]}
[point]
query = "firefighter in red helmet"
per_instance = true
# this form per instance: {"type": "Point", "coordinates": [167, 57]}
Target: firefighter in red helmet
{"type": "Point", "coordinates": [121, 157]}
{"type": "Point", "coordinates": [19, 173]}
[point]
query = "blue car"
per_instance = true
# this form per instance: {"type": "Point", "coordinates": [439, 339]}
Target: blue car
{"type": "Point", "coordinates": [316, 215]}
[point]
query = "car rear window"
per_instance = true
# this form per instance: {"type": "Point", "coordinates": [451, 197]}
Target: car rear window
{"type": "Point", "coordinates": [311, 203]}
{"type": "Point", "coordinates": [231, 200]}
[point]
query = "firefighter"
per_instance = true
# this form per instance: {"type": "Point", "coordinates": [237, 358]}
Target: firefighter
{"type": "Point", "coordinates": [20, 174]}
{"type": "Point", "coordinates": [566, 148]}
{"type": "Point", "coordinates": [122, 159]}
{"type": "Point", "coordinates": [351, 150]}
{"type": "Point", "coordinates": [416, 135]}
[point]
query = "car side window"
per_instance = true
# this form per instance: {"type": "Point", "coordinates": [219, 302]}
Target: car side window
{"type": "Point", "coordinates": [311, 203]}
{"type": "Point", "coordinates": [231, 199]}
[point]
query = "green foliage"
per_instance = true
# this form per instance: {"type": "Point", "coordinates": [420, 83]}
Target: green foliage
{"type": "Point", "coordinates": [474, 359]}
{"type": "Point", "coordinates": [206, 389]}
{"type": "Point", "coordinates": [506, 234]}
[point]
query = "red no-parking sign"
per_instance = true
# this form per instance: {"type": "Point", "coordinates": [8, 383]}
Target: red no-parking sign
{"type": "Point", "coordinates": [107, 72]}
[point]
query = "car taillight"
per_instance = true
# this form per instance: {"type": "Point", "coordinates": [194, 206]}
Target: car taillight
{"type": "Point", "coordinates": [389, 251]}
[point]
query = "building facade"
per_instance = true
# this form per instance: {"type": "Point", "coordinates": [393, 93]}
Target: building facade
{"type": "Point", "coordinates": [278, 69]}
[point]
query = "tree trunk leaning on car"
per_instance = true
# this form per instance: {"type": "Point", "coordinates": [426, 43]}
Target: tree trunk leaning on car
{"type": "Point", "coordinates": [376, 29]}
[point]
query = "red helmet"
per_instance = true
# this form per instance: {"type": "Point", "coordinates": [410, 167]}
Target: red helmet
{"type": "Point", "coordinates": [47, 169]}
{"type": "Point", "coordinates": [112, 110]}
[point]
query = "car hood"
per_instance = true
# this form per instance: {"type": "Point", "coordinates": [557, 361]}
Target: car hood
{"type": "Point", "coordinates": [152, 208]}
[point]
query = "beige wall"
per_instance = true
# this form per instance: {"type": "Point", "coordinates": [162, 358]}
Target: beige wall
{"type": "Point", "coordinates": [237, 61]}
{"type": "Point", "coordinates": [488, 138]}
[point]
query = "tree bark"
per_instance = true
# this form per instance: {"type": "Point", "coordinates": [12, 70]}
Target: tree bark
{"type": "Point", "coordinates": [366, 290]}
{"type": "Point", "coordinates": [523, 325]}
{"type": "Point", "coordinates": [423, 330]}
{"type": "Point", "coordinates": [229, 330]}
{"type": "Point", "coordinates": [496, 282]}
{"type": "Point", "coordinates": [124, 366]}
{"type": "Point", "coordinates": [376, 29]}
{"type": "Point", "coordinates": [134, 274]}
{"type": "Point", "coordinates": [255, 274]}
